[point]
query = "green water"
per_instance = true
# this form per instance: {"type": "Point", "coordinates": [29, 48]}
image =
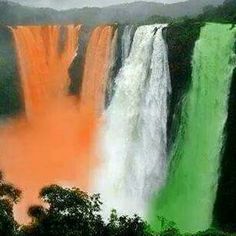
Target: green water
{"type": "Point", "coordinates": [189, 195]}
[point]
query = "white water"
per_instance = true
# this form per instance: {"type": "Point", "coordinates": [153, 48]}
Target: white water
{"type": "Point", "coordinates": [134, 135]}
{"type": "Point", "coordinates": [149, 164]}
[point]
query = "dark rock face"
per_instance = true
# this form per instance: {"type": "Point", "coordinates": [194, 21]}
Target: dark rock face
{"type": "Point", "coordinates": [11, 102]}
{"type": "Point", "coordinates": [181, 38]}
{"type": "Point", "coordinates": [116, 64]}
{"type": "Point", "coordinates": [225, 205]}
{"type": "Point", "coordinates": [77, 66]}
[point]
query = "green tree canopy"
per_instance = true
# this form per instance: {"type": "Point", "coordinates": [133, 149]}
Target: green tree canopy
{"type": "Point", "coordinates": [71, 212]}
{"type": "Point", "coordinates": [9, 195]}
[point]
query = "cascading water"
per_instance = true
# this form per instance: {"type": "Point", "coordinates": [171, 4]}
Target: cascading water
{"type": "Point", "coordinates": [57, 138]}
{"type": "Point", "coordinates": [46, 59]}
{"type": "Point", "coordinates": [96, 68]}
{"type": "Point", "coordinates": [188, 198]}
{"type": "Point", "coordinates": [52, 142]}
{"type": "Point", "coordinates": [149, 175]}
{"type": "Point", "coordinates": [134, 134]}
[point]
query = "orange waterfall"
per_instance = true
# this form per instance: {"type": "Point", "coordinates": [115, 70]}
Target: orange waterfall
{"type": "Point", "coordinates": [54, 142]}
{"type": "Point", "coordinates": [43, 67]}
{"type": "Point", "coordinates": [96, 73]}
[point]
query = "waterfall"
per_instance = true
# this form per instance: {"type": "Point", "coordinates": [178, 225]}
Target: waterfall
{"type": "Point", "coordinates": [149, 175]}
{"type": "Point", "coordinates": [189, 196]}
{"type": "Point", "coordinates": [42, 55]}
{"type": "Point", "coordinates": [53, 142]}
{"type": "Point", "coordinates": [132, 170]}
{"type": "Point", "coordinates": [134, 133]}
{"type": "Point", "coordinates": [96, 68]}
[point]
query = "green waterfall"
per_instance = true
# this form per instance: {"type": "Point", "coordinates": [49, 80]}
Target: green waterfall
{"type": "Point", "coordinates": [189, 195]}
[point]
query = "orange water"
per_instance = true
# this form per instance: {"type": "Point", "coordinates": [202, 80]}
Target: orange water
{"type": "Point", "coordinates": [54, 141]}
{"type": "Point", "coordinates": [96, 68]}
{"type": "Point", "coordinates": [43, 67]}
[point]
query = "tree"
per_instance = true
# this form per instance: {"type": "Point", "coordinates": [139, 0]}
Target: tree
{"type": "Point", "coordinates": [124, 225]}
{"type": "Point", "coordinates": [9, 195]}
{"type": "Point", "coordinates": [71, 212]}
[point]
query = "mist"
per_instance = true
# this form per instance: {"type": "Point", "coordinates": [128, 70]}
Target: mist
{"type": "Point", "coordinates": [67, 4]}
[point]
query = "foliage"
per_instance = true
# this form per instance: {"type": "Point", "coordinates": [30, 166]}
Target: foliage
{"type": "Point", "coordinates": [225, 13]}
{"type": "Point", "coordinates": [9, 196]}
{"type": "Point", "coordinates": [71, 212]}
{"type": "Point", "coordinates": [156, 19]}
{"type": "Point", "coordinates": [212, 232]}
{"type": "Point", "coordinates": [123, 225]}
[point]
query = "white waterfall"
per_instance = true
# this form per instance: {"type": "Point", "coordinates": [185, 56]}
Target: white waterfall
{"type": "Point", "coordinates": [134, 134]}
{"type": "Point", "coordinates": [149, 162]}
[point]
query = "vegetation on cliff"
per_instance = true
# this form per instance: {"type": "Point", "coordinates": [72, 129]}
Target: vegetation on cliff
{"type": "Point", "coordinates": [71, 212]}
